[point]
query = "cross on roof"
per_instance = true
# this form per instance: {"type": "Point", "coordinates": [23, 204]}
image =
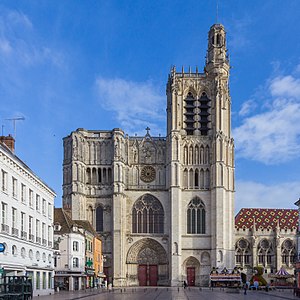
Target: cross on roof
{"type": "Point", "coordinates": [147, 128]}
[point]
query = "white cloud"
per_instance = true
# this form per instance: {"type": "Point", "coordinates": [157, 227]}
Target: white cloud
{"type": "Point", "coordinates": [5, 46]}
{"type": "Point", "coordinates": [272, 136]}
{"type": "Point", "coordinates": [250, 194]}
{"type": "Point", "coordinates": [136, 104]}
{"type": "Point", "coordinates": [286, 86]}
{"type": "Point", "coordinates": [247, 107]}
{"type": "Point", "coordinates": [19, 43]}
{"type": "Point", "coordinates": [18, 18]}
{"type": "Point", "coordinates": [239, 33]}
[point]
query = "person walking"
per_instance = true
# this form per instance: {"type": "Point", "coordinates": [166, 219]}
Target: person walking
{"type": "Point", "coordinates": [184, 284]}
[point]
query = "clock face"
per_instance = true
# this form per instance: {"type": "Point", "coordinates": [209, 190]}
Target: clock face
{"type": "Point", "coordinates": [148, 174]}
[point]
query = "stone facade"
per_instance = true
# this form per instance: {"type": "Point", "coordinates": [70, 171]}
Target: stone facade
{"type": "Point", "coordinates": [163, 206]}
{"type": "Point", "coordinates": [266, 238]}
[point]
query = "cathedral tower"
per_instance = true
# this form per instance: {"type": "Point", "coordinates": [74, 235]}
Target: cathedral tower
{"type": "Point", "coordinates": [201, 165]}
{"type": "Point", "coordinates": [163, 206]}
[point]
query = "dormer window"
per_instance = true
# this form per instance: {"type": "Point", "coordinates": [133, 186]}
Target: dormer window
{"type": "Point", "coordinates": [75, 228]}
{"type": "Point", "coordinates": [57, 227]}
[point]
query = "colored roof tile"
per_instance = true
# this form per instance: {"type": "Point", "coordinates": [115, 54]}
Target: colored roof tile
{"type": "Point", "coordinates": [266, 218]}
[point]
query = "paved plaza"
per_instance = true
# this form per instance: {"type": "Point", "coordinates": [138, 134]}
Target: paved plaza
{"type": "Point", "coordinates": [164, 293]}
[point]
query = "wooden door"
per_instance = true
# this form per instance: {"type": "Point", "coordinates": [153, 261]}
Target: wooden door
{"type": "Point", "coordinates": [190, 271]}
{"type": "Point", "coordinates": [153, 275]}
{"type": "Point", "coordinates": [142, 275]}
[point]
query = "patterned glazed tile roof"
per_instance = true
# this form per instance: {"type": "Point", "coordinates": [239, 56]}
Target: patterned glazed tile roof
{"type": "Point", "coordinates": [266, 218]}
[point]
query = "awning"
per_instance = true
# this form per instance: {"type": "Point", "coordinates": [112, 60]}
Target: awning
{"type": "Point", "coordinates": [282, 273]}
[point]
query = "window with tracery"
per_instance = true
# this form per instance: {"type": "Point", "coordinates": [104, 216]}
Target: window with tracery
{"type": "Point", "coordinates": [196, 217]}
{"type": "Point", "coordinates": [288, 252]}
{"type": "Point", "coordinates": [242, 252]}
{"type": "Point", "coordinates": [147, 215]}
{"type": "Point", "coordinates": [265, 252]}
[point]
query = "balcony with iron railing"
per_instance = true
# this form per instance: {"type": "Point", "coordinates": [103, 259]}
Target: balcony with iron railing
{"type": "Point", "coordinates": [4, 228]}
{"type": "Point", "coordinates": [23, 235]}
{"type": "Point", "coordinates": [15, 231]}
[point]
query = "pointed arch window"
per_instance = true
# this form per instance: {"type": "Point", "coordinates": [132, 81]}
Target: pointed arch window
{"type": "Point", "coordinates": [196, 217]}
{"type": "Point", "coordinates": [288, 252]}
{"type": "Point", "coordinates": [147, 215]}
{"type": "Point", "coordinates": [189, 114]}
{"type": "Point", "coordinates": [99, 218]}
{"type": "Point", "coordinates": [204, 114]}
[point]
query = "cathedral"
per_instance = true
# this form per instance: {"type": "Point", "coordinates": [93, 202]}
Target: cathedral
{"type": "Point", "coordinates": [164, 206]}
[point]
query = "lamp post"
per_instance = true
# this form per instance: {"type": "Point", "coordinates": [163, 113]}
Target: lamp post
{"type": "Point", "coordinates": [297, 261]}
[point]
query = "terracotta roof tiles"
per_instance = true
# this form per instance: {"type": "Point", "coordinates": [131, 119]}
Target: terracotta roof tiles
{"type": "Point", "coordinates": [266, 218]}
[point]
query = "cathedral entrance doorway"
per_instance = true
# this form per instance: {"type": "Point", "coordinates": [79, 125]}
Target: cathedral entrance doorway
{"type": "Point", "coordinates": [190, 271]}
{"type": "Point", "coordinates": [147, 263]}
{"type": "Point", "coordinates": [148, 275]}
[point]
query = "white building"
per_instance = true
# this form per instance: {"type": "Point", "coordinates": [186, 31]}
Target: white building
{"type": "Point", "coordinates": [69, 243]}
{"type": "Point", "coordinates": [163, 206]}
{"type": "Point", "coordinates": [26, 221]}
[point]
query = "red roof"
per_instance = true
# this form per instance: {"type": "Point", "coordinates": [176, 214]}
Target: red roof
{"type": "Point", "coordinates": [266, 218]}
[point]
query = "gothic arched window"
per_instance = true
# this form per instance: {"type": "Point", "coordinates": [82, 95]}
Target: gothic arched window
{"type": "Point", "coordinates": [88, 176]}
{"type": "Point", "coordinates": [287, 252]}
{"type": "Point", "coordinates": [196, 217]}
{"type": "Point", "coordinates": [99, 218]}
{"type": "Point", "coordinates": [204, 114]}
{"type": "Point", "coordinates": [189, 113]}
{"type": "Point", "coordinates": [265, 252]}
{"type": "Point", "coordinates": [242, 252]}
{"type": "Point", "coordinates": [147, 215]}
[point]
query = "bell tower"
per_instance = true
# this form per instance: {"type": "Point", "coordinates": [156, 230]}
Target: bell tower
{"type": "Point", "coordinates": [201, 165]}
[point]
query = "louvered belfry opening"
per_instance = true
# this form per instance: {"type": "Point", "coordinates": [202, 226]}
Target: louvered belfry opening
{"type": "Point", "coordinates": [189, 114]}
{"type": "Point", "coordinates": [196, 114]}
{"type": "Point", "coordinates": [204, 113]}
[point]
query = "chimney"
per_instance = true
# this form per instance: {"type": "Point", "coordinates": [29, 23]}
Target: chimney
{"type": "Point", "coordinates": [9, 141]}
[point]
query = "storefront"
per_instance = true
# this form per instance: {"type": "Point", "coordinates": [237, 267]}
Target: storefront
{"type": "Point", "coordinates": [69, 281]}
{"type": "Point", "coordinates": [90, 277]}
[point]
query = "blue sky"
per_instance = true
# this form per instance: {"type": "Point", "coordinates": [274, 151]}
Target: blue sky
{"type": "Point", "coordinates": [104, 64]}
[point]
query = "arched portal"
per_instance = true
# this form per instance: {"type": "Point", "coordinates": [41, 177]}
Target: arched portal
{"type": "Point", "coordinates": [147, 263]}
{"type": "Point", "coordinates": [192, 269]}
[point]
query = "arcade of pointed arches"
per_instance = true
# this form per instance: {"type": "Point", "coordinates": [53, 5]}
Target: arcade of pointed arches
{"type": "Point", "coordinates": [266, 253]}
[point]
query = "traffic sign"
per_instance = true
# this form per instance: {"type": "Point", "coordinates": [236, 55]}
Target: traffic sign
{"type": "Point", "coordinates": [2, 247]}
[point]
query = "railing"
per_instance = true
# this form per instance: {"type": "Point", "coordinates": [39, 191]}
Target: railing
{"type": "Point", "coordinates": [38, 240]}
{"type": "Point", "coordinates": [23, 235]}
{"type": "Point", "coordinates": [49, 244]}
{"type": "Point", "coordinates": [14, 231]}
{"type": "Point", "coordinates": [146, 187]}
{"type": "Point", "coordinates": [4, 228]}
{"type": "Point", "coordinates": [44, 242]}
{"type": "Point", "coordinates": [31, 237]}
